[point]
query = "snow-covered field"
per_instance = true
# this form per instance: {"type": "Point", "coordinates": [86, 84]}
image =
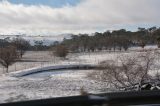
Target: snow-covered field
{"type": "Point", "coordinates": [54, 83]}
{"type": "Point", "coordinates": [46, 85]}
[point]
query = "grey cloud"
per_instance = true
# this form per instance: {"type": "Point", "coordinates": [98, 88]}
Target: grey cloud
{"type": "Point", "coordinates": [89, 15]}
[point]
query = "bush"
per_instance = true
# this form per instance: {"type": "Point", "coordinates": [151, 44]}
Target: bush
{"type": "Point", "coordinates": [60, 51]}
{"type": "Point", "coordinates": [125, 72]}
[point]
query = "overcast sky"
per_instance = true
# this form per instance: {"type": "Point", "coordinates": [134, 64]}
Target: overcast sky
{"type": "Point", "coordinates": [43, 17]}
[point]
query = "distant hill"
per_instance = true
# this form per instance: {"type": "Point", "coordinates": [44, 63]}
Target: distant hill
{"type": "Point", "coordinates": [47, 40]}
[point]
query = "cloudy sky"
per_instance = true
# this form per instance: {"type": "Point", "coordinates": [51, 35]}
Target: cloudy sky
{"type": "Point", "coordinates": [51, 17]}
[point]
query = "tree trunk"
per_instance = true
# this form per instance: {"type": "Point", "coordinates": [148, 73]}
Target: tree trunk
{"type": "Point", "coordinates": [21, 54]}
{"type": "Point", "coordinates": [7, 69]}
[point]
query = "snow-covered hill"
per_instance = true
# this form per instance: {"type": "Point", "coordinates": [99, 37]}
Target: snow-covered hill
{"type": "Point", "coordinates": [47, 40]}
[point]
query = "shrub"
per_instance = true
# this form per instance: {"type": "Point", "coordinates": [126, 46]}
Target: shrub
{"type": "Point", "coordinates": [125, 72]}
{"type": "Point", "coordinates": [60, 51]}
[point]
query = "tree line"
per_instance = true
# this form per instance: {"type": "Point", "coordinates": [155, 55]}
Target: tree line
{"type": "Point", "coordinates": [112, 40]}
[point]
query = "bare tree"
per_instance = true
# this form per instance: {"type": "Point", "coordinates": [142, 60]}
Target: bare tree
{"type": "Point", "coordinates": [127, 72]}
{"type": "Point", "coordinates": [21, 44]}
{"type": "Point", "coordinates": [8, 56]}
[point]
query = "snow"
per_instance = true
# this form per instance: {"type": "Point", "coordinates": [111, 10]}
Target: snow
{"type": "Point", "coordinates": [53, 67]}
{"type": "Point", "coordinates": [148, 47]}
{"type": "Point", "coordinates": [24, 83]}
{"type": "Point", "coordinates": [63, 83]}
